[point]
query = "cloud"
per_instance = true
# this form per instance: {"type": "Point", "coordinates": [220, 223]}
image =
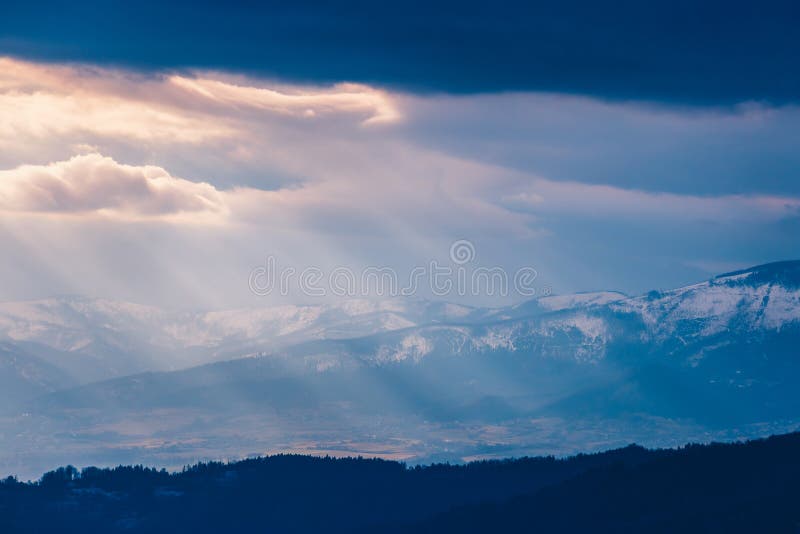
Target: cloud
{"type": "Point", "coordinates": [43, 103]}
{"type": "Point", "coordinates": [607, 202]}
{"type": "Point", "coordinates": [342, 98]}
{"type": "Point", "coordinates": [93, 184]}
{"type": "Point", "coordinates": [218, 170]}
{"type": "Point", "coordinates": [707, 52]}
{"type": "Point", "coordinates": [753, 148]}
{"type": "Point", "coordinates": [45, 107]}
{"type": "Point", "coordinates": [42, 115]}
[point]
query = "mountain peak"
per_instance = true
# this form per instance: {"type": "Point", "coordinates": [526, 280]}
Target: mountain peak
{"type": "Point", "coordinates": [786, 273]}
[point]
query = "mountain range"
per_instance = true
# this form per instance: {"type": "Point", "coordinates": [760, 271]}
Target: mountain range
{"type": "Point", "coordinates": [407, 379]}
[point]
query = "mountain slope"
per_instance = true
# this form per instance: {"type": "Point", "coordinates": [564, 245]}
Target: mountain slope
{"type": "Point", "coordinates": [23, 376]}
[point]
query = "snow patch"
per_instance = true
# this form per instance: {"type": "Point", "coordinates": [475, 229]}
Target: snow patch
{"type": "Point", "coordinates": [577, 300]}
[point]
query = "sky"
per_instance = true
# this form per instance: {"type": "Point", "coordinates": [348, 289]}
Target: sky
{"type": "Point", "coordinates": [161, 154]}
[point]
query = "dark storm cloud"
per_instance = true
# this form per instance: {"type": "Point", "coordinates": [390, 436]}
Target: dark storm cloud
{"type": "Point", "coordinates": [679, 51]}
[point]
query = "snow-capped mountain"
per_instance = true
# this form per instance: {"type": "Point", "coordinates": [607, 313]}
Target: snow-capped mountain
{"type": "Point", "coordinates": [722, 349]}
{"type": "Point", "coordinates": [717, 358]}
{"type": "Point", "coordinates": [750, 304]}
{"type": "Point", "coordinates": [728, 316]}
{"type": "Point", "coordinates": [94, 339]}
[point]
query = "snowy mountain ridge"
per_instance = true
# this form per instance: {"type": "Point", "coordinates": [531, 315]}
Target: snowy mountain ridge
{"type": "Point", "coordinates": [96, 339]}
{"type": "Point", "coordinates": [764, 297]}
{"type": "Point", "coordinates": [582, 327]}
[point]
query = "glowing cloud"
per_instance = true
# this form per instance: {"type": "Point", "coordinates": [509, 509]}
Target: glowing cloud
{"type": "Point", "coordinates": [40, 102]}
{"type": "Point", "coordinates": [342, 98]}
{"type": "Point", "coordinates": [96, 184]}
{"type": "Point", "coordinates": [46, 104]}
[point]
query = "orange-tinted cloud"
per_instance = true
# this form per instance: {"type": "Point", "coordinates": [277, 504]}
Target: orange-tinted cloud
{"type": "Point", "coordinates": [93, 184]}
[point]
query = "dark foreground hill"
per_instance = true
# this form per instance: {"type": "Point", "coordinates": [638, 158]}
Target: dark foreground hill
{"type": "Point", "coordinates": [752, 486]}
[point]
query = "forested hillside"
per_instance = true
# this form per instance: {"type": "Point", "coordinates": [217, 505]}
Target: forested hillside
{"type": "Point", "coordinates": [719, 487]}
